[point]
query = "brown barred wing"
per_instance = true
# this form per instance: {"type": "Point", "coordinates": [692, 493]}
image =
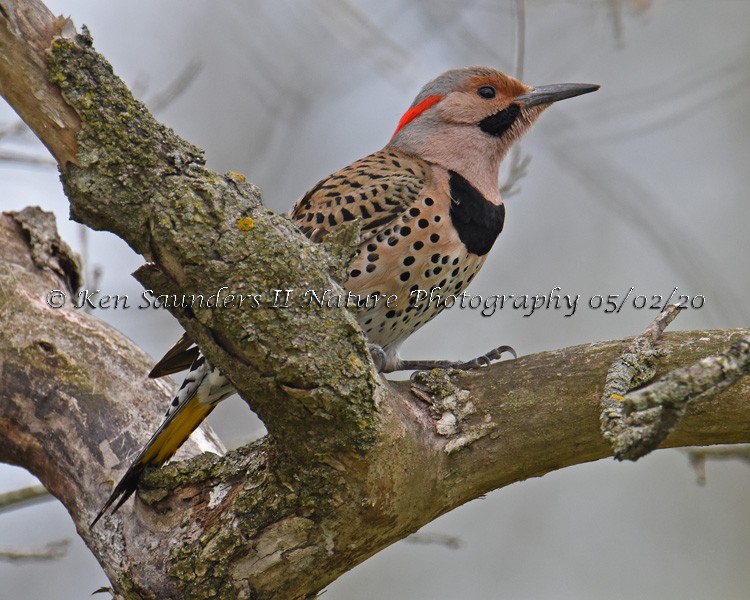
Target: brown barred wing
{"type": "Point", "coordinates": [375, 189]}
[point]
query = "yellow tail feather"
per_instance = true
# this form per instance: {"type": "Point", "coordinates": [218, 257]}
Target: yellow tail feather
{"type": "Point", "coordinates": [172, 433]}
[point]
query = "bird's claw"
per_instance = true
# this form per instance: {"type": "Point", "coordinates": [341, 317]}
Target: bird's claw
{"type": "Point", "coordinates": [482, 361]}
{"type": "Point", "coordinates": [486, 359]}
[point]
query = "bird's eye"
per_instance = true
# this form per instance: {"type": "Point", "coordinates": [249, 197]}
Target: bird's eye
{"type": "Point", "coordinates": [486, 91]}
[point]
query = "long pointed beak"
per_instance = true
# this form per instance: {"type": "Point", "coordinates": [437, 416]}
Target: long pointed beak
{"type": "Point", "coordinates": [546, 94]}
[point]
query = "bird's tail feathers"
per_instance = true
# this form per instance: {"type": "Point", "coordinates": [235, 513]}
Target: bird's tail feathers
{"type": "Point", "coordinates": [172, 433]}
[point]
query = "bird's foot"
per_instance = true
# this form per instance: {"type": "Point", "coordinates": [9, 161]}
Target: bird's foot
{"type": "Point", "coordinates": [481, 361]}
{"type": "Point", "coordinates": [486, 359]}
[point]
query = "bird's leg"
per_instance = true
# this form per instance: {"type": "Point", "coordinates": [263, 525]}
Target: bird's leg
{"type": "Point", "coordinates": [378, 357]}
{"type": "Point", "coordinates": [425, 365]}
{"type": "Point", "coordinates": [486, 359]}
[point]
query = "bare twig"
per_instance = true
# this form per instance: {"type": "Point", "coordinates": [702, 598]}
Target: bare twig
{"type": "Point", "coordinates": [518, 162]}
{"type": "Point", "coordinates": [698, 381]}
{"type": "Point", "coordinates": [15, 129]}
{"type": "Point", "coordinates": [635, 423]}
{"type": "Point", "coordinates": [451, 542]}
{"type": "Point", "coordinates": [52, 551]}
{"type": "Point", "coordinates": [634, 367]}
{"type": "Point", "coordinates": [160, 100]}
{"type": "Point", "coordinates": [26, 159]}
{"type": "Point", "coordinates": [520, 38]}
{"type": "Point", "coordinates": [23, 497]}
{"type": "Point", "coordinates": [699, 456]}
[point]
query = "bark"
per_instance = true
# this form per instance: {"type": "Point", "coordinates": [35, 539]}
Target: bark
{"type": "Point", "coordinates": [352, 462]}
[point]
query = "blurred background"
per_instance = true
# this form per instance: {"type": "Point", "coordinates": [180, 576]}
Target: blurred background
{"type": "Point", "coordinates": [641, 184]}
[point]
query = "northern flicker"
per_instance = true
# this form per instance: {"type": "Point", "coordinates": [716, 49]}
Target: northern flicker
{"type": "Point", "coordinates": [429, 211]}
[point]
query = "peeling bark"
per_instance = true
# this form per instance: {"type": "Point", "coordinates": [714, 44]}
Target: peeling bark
{"type": "Point", "coordinates": [27, 29]}
{"type": "Point", "coordinates": [352, 462]}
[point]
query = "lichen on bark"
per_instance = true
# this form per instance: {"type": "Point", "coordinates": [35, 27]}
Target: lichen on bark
{"type": "Point", "coordinates": [138, 179]}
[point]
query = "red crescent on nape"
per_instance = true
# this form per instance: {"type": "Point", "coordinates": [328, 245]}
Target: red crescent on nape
{"type": "Point", "coordinates": [417, 110]}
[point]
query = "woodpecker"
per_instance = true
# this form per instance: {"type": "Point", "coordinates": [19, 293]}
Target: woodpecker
{"type": "Point", "coordinates": [429, 210]}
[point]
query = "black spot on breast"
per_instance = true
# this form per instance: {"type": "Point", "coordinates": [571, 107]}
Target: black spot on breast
{"type": "Point", "coordinates": [347, 215]}
{"type": "Point", "coordinates": [498, 123]}
{"type": "Point", "coordinates": [478, 222]}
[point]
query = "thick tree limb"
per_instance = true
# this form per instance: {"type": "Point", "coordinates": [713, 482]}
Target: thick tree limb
{"type": "Point", "coordinates": [26, 32]}
{"type": "Point", "coordinates": [351, 464]}
{"type": "Point", "coordinates": [205, 232]}
{"type": "Point", "coordinates": [76, 403]}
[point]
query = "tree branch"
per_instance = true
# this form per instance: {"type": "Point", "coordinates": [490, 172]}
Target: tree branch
{"type": "Point", "coordinates": [22, 497]}
{"type": "Point", "coordinates": [76, 403]}
{"type": "Point", "coordinates": [26, 31]}
{"type": "Point", "coordinates": [352, 462]}
{"type": "Point", "coordinates": [136, 178]}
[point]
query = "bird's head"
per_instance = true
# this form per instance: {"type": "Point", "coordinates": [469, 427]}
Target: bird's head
{"type": "Point", "coordinates": [475, 110]}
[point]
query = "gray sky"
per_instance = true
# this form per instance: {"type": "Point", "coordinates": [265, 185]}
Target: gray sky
{"type": "Point", "coordinates": [643, 184]}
